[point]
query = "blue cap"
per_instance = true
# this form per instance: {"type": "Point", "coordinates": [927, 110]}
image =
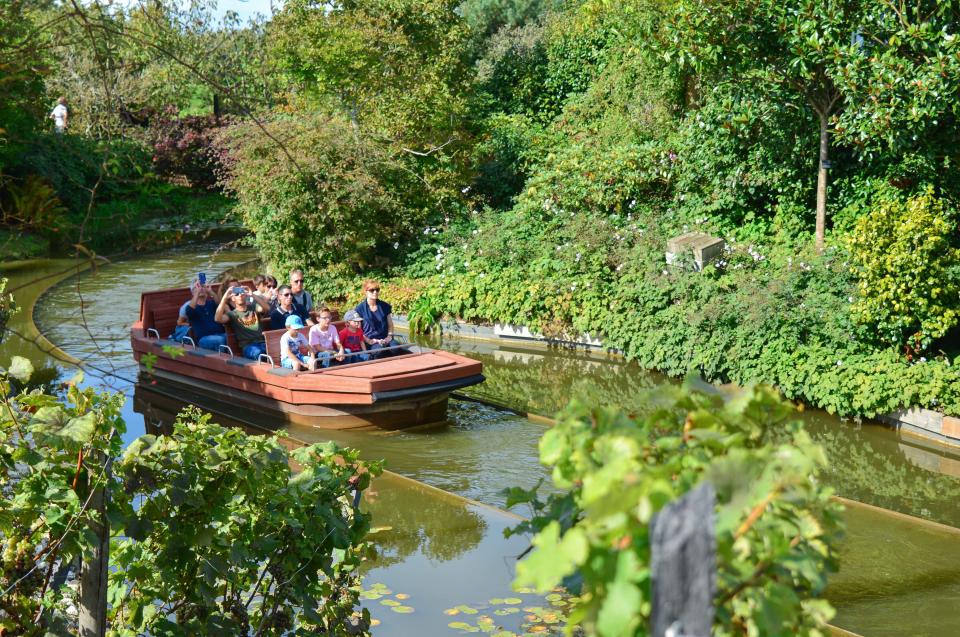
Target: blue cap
{"type": "Point", "coordinates": [294, 321]}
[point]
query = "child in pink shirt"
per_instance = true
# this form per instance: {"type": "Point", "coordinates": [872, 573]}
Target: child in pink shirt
{"type": "Point", "coordinates": [325, 341]}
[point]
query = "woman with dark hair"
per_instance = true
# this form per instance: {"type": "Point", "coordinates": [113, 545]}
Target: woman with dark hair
{"type": "Point", "coordinates": [377, 319]}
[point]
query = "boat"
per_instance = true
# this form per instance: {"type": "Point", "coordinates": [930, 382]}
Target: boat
{"type": "Point", "coordinates": [409, 388]}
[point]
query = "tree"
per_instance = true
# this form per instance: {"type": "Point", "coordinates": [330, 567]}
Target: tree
{"type": "Point", "coordinates": [868, 70]}
{"type": "Point", "coordinates": [211, 530]}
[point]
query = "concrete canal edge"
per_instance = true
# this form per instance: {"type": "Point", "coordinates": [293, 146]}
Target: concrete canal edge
{"type": "Point", "coordinates": [915, 421]}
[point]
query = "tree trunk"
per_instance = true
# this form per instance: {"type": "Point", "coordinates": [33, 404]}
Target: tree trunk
{"type": "Point", "coordinates": [822, 180]}
{"type": "Point", "coordinates": [217, 108]}
{"type": "Point", "coordinates": [93, 571]}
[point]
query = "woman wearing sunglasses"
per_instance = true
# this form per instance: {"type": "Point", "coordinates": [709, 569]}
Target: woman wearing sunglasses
{"type": "Point", "coordinates": [377, 319]}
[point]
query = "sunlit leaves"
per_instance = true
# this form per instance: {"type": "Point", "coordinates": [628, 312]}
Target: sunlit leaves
{"type": "Point", "coordinates": [776, 527]}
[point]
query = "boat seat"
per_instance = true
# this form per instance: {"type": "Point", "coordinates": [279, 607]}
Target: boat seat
{"type": "Point", "coordinates": [201, 352]}
{"type": "Point", "coordinates": [240, 361]}
{"type": "Point", "coordinates": [164, 342]}
{"type": "Point", "coordinates": [282, 371]}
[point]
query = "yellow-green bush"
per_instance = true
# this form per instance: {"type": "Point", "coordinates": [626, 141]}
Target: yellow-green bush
{"type": "Point", "coordinates": [902, 256]}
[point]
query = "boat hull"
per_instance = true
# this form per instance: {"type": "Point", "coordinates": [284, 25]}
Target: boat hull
{"type": "Point", "coordinates": [169, 392]}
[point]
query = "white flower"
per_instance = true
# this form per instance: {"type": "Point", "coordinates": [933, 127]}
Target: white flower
{"type": "Point", "coordinates": [476, 231]}
{"type": "Point", "coordinates": [465, 190]}
{"type": "Point", "coordinates": [573, 287]}
{"type": "Point", "coordinates": [839, 363]}
{"type": "Point", "coordinates": [426, 230]}
{"type": "Point", "coordinates": [849, 299]}
{"type": "Point", "coordinates": [578, 257]}
{"type": "Point", "coordinates": [619, 267]}
{"type": "Point", "coordinates": [396, 245]}
{"type": "Point", "coordinates": [466, 264]}
{"type": "Point", "coordinates": [482, 275]}
{"type": "Point", "coordinates": [923, 359]}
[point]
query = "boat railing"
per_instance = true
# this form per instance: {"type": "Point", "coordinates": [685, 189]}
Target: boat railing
{"type": "Point", "coordinates": [266, 358]}
{"type": "Point", "coordinates": [221, 348]}
{"type": "Point", "coordinates": [188, 339]}
{"type": "Point", "coordinates": [155, 332]}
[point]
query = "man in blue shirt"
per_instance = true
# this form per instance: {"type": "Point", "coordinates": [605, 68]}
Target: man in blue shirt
{"type": "Point", "coordinates": [201, 311]}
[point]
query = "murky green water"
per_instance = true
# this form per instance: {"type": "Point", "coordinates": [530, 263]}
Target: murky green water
{"type": "Point", "coordinates": [897, 577]}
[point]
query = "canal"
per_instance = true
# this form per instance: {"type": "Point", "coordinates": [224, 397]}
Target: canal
{"type": "Point", "coordinates": [440, 537]}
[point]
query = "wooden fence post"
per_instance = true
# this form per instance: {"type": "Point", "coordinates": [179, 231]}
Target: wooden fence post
{"type": "Point", "coordinates": [683, 563]}
{"type": "Point", "coordinates": [93, 570]}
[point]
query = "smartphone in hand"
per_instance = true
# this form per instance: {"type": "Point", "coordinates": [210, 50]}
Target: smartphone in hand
{"type": "Point", "coordinates": [202, 277]}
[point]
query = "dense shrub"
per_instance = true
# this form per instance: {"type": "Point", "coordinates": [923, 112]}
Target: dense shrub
{"type": "Point", "coordinates": [907, 269]}
{"type": "Point", "coordinates": [183, 148]}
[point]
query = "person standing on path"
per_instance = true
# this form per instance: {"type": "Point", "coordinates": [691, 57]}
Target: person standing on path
{"type": "Point", "coordinates": [59, 115]}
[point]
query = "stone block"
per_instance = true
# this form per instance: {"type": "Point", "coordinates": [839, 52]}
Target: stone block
{"type": "Point", "coordinates": [951, 427]}
{"type": "Point", "coordinates": [917, 417]}
{"type": "Point", "coordinates": [701, 247]}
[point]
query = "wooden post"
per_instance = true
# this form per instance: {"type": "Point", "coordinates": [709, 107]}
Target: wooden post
{"type": "Point", "coordinates": [683, 563]}
{"type": "Point", "coordinates": [93, 570]}
{"type": "Point", "coordinates": [822, 179]}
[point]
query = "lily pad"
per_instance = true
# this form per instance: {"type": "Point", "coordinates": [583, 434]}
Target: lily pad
{"type": "Point", "coordinates": [452, 611]}
{"type": "Point", "coordinates": [402, 596]}
{"type": "Point", "coordinates": [464, 626]}
{"type": "Point", "coordinates": [466, 610]}
{"type": "Point", "coordinates": [389, 602]}
{"type": "Point", "coordinates": [512, 601]}
{"type": "Point", "coordinates": [403, 610]}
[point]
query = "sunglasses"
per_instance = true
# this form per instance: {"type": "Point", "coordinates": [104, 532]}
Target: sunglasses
{"type": "Point", "coordinates": [286, 294]}
{"type": "Point", "coordinates": [373, 289]}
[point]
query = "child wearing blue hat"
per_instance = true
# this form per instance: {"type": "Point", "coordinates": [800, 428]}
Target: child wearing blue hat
{"type": "Point", "coordinates": [295, 352]}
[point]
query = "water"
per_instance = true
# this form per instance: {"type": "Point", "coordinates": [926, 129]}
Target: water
{"type": "Point", "coordinates": [897, 577]}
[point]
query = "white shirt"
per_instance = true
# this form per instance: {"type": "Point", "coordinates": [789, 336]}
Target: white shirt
{"type": "Point", "coordinates": [292, 345]}
{"type": "Point", "coordinates": [59, 115]}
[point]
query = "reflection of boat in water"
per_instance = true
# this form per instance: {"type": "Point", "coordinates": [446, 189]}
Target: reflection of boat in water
{"type": "Point", "coordinates": [407, 389]}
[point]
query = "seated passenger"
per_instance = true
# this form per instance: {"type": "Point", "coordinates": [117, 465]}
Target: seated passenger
{"type": "Point", "coordinates": [377, 319]}
{"type": "Point", "coordinates": [266, 286]}
{"type": "Point", "coordinates": [244, 319]}
{"type": "Point", "coordinates": [295, 352]}
{"type": "Point", "coordinates": [352, 338]}
{"type": "Point", "coordinates": [286, 307]}
{"type": "Point", "coordinates": [301, 296]}
{"type": "Point", "coordinates": [201, 312]}
{"type": "Point", "coordinates": [324, 339]}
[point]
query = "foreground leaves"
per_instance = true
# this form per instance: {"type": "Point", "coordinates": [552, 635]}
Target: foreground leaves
{"type": "Point", "coordinates": [776, 525]}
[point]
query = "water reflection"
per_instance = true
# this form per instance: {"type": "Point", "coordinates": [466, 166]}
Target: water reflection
{"type": "Point", "coordinates": [870, 463]}
{"type": "Point", "coordinates": [418, 519]}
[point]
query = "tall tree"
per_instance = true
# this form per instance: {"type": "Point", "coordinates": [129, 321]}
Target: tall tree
{"type": "Point", "coordinates": [875, 68]}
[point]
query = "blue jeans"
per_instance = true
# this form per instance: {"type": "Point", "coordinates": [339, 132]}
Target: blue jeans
{"type": "Point", "coordinates": [288, 362]}
{"type": "Point", "coordinates": [253, 350]}
{"type": "Point", "coordinates": [212, 341]}
{"type": "Point", "coordinates": [360, 356]}
{"type": "Point", "coordinates": [324, 359]}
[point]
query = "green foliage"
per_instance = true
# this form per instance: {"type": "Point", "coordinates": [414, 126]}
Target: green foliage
{"type": "Point", "coordinates": [21, 80]}
{"type": "Point", "coordinates": [262, 547]}
{"type": "Point", "coordinates": [213, 531]}
{"type": "Point", "coordinates": [776, 526]}
{"type": "Point", "coordinates": [424, 316]}
{"type": "Point", "coordinates": [907, 269]}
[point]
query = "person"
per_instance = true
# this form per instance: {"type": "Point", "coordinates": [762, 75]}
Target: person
{"type": "Point", "coordinates": [285, 307]}
{"type": "Point", "coordinates": [352, 338]}
{"type": "Point", "coordinates": [182, 328]}
{"type": "Point", "coordinates": [301, 296]}
{"type": "Point", "coordinates": [244, 319]}
{"type": "Point", "coordinates": [266, 287]}
{"type": "Point", "coordinates": [325, 341]}
{"type": "Point", "coordinates": [201, 313]}
{"type": "Point", "coordinates": [377, 319]}
{"type": "Point", "coordinates": [59, 115]}
{"type": "Point", "coordinates": [295, 352]}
